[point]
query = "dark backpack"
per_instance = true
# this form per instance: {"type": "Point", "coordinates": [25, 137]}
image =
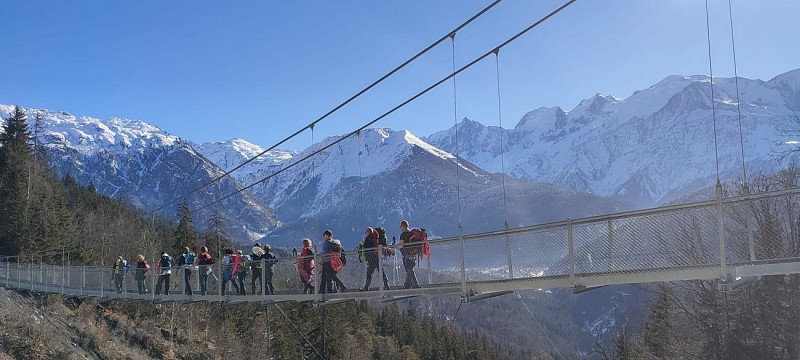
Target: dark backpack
{"type": "Point", "coordinates": [166, 262]}
{"type": "Point", "coordinates": [382, 236]}
{"type": "Point", "coordinates": [383, 241]}
{"type": "Point", "coordinates": [188, 259]}
{"type": "Point", "coordinates": [335, 247]}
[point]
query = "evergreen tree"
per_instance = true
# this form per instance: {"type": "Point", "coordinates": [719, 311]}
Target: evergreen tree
{"type": "Point", "coordinates": [658, 331]}
{"type": "Point", "coordinates": [215, 238]}
{"type": "Point", "coordinates": [15, 161]}
{"type": "Point", "coordinates": [184, 235]}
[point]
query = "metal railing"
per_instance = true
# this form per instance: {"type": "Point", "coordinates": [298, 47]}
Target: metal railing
{"type": "Point", "coordinates": [760, 236]}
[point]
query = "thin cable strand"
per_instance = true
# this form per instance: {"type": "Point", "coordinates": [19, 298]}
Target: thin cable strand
{"type": "Point", "coordinates": [502, 150]}
{"type": "Point", "coordinates": [738, 103]}
{"type": "Point", "coordinates": [711, 75]}
{"type": "Point", "coordinates": [404, 103]}
{"type": "Point", "coordinates": [455, 122]}
{"type": "Point", "coordinates": [298, 132]}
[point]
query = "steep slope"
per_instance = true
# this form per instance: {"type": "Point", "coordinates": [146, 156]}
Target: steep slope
{"type": "Point", "coordinates": [143, 165]}
{"type": "Point", "coordinates": [652, 147]}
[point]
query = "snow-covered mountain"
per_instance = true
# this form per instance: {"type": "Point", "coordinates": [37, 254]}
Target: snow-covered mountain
{"type": "Point", "coordinates": [230, 154]}
{"type": "Point", "coordinates": [652, 146]}
{"type": "Point", "coordinates": [141, 164]}
{"type": "Point", "coordinates": [387, 175]}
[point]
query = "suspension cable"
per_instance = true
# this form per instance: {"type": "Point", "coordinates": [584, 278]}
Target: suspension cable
{"type": "Point", "coordinates": [343, 104]}
{"type": "Point", "coordinates": [361, 193]}
{"type": "Point", "coordinates": [404, 103]}
{"type": "Point", "coordinates": [738, 103]}
{"type": "Point", "coordinates": [553, 345]}
{"type": "Point", "coordinates": [455, 123]}
{"type": "Point", "coordinates": [502, 150]}
{"type": "Point", "coordinates": [711, 75]}
{"type": "Point", "coordinates": [314, 188]}
{"type": "Point", "coordinates": [299, 332]}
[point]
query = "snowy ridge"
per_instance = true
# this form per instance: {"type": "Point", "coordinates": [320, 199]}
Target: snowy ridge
{"type": "Point", "coordinates": [89, 135]}
{"type": "Point", "coordinates": [141, 164]}
{"type": "Point", "coordinates": [232, 153]}
{"type": "Point", "coordinates": [374, 152]}
{"type": "Point", "coordinates": [651, 146]}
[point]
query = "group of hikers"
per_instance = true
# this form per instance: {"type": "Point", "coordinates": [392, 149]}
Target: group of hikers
{"type": "Point", "coordinates": [236, 265]}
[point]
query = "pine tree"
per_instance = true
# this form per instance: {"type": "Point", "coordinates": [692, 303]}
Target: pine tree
{"type": "Point", "coordinates": [215, 238]}
{"type": "Point", "coordinates": [184, 235]}
{"type": "Point", "coordinates": [658, 332]}
{"type": "Point", "coordinates": [15, 162]}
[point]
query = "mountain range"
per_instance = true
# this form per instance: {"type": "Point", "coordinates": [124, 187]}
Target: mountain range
{"type": "Point", "coordinates": [607, 154]}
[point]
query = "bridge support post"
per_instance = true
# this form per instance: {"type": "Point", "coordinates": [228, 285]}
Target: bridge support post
{"type": "Point", "coordinates": [8, 270]}
{"type": "Point", "coordinates": [42, 282]}
{"type": "Point", "coordinates": [83, 278]}
{"type": "Point", "coordinates": [380, 269]}
{"type": "Point", "coordinates": [102, 282]}
{"type": "Point", "coordinates": [263, 280]}
{"type": "Point", "coordinates": [463, 261]}
{"type": "Point", "coordinates": [750, 242]}
{"type": "Point", "coordinates": [30, 275]}
{"type": "Point", "coordinates": [508, 254]}
{"type": "Point", "coordinates": [721, 232]}
{"type": "Point", "coordinates": [612, 245]}
{"type": "Point", "coordinates": [571, 252]}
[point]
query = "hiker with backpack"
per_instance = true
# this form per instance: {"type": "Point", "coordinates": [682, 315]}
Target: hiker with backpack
{"type": "Point", "coordinates": [118, 272]}
{"type": "Point", "coordinates": [186, 262]}
{"type": "Point", "coordinates": [256, 254]}
{"type": "Point", "coordinates": [231, 264]}
{"type": "Point", "coordinates": [142, 267]}
{"type": "Point", "coordinates": [164, 271]}
{"type": "Point", "coordinates": [305, 266]}
{"type": "Point", "coordinates": [337, 260]}
{"type": "Point", "coordinates": [411, 244]}
{"type": "Point", "coordinates": [269, 261]}
{"type": "Point", "coordinates": [241, 270]}
{"type": "Point", "coordinates": [204, 260]}
{"type": "Point", "coordinates": [370, 250]}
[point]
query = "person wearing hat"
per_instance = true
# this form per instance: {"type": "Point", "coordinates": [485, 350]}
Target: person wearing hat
{"type": "Point", "coordinates": [118, 275]}
{"type": "Point", "coordinates": [186, 262]}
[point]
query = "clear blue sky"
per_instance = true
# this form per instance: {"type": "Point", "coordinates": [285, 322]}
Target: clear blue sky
{"type": "Point", "coordinates": [211, 70]}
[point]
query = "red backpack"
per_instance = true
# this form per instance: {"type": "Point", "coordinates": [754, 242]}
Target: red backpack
{"type": "Point", "coordinates": [418, 243]}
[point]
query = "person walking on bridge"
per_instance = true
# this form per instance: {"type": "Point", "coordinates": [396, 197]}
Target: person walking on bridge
{"type": "Point", "coordinates": [371, 241]}
{"type": "Point", "coordinates": [119, 269]}
{"type": "Point", "coordinates": [326, 285]}
{"type": "Point", "coordinates": [186, 262]}
{"type": "Point", "coordinates": [204, 261]}
{"type": "Point", "coordinates": [142, 267]}
{"type": "Point", "coordinates": [164, 271]}
{"type": "Point", "coordinates": [305, 266]}
{"type": "Point", "coordinates": [269, 261]}
{"type": "Point", "coordinates": [410, 254]}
